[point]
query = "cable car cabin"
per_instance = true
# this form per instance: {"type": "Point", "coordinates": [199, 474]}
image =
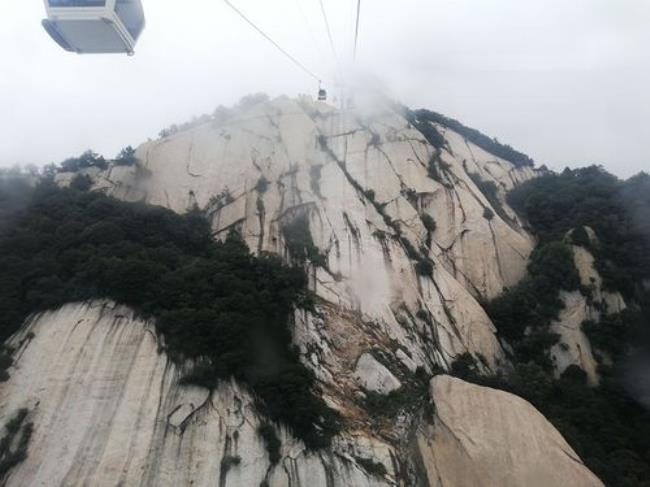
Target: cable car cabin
{"type": "Point", "coordinates": [95, 26]}
{"type": "Point", "coordinates": [322, 95]}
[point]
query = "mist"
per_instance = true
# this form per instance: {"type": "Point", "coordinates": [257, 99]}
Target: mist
{"type": "Point", "coordinates": [565, 82]}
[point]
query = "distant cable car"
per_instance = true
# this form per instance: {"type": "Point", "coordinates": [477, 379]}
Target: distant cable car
{"type": "Point", "coordinates": [95, 26]}
{"type": "Point", "coordinates": [322, 93]}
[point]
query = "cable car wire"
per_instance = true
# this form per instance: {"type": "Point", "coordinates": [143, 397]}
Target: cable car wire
{"type": "Point", "coordinates": [317, 45]}
{"type": "Point", "coordinates": [356, 31]}
{"type": "Point", "coordinates": [268, 38]}
{"type": "Point", "coordinates": [329, 33]}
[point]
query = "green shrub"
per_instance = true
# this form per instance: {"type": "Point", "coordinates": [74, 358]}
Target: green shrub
{"type": "Point", "coordinates": [315, 175]}
{"type": "Point", "coordinates": [433, 169]}
{"type": "Point", "coordinates": [423, 315]}
{"type": "Point", "coordinates": [428, 130]}
{"type": "Point", "coordinates": [86, 160]}
{"type": "Point", "coordinates": [81, 182]}
{"type": "Point", "coordinates": [374, 468]}
{"type": "Point", "coordinates": [535, 302]}
{"type": "Point", "coordinates": [262, 185]}
{"type": "Point", "coordinates": [6, 361]}
{"type": "Point", "coordinates": [428, 222]}
{"type": "Point", "coordinates": [322, 143]}
{"type": "Point", "coordinates": [15, 195]}
{"type": "Point", "coordinates": [490, 191]}
{"type": "Point", "coordinates": [464, 366]}
{"type": "Point", "coordinates": [271, 441]}
{"type": "Point", "coordinates": [375, 140]}
{"type": "Point", "coordinates": [411, 196]}
{"type": "Point", "coordinates": [14, 444]}
{"type": "Point", "coordinates": [412, 396]}
{"type": "Point", "coordinates": [126, 157]}
{"type": "Point", "coordinates": [229, 461]}
{"type": "Point", "coordinates": [579, 236]}
{"type": "Point", "coordinates": [221, 200]}
{"type": "Point", "coordinates": [424, 267]}
{"type": "Point", "coordinates": [523, 313]}
{"type": "Point", "coordinates": [370, 194]}
{"type": "Point", "coordinates": [300, 243]}
{"type": "Point", "coordinates": [617, 333]}
{"type": "Point", "coordinates": [489, 144]}
{"type": "Point", "coordinates": [575, 374]}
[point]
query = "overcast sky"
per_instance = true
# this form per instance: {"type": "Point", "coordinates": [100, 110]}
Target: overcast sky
{"type": "Point", "coordinates": [566, 81]}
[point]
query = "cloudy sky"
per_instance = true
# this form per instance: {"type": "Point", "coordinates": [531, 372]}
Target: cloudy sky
{"type": "Point", "coordinates": [567, 82]}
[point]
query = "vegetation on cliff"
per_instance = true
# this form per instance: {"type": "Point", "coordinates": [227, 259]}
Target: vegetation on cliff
{"type": "Point", "coordinates": [606, 426]}
{"type": "Point", "coordinates": [618, 212]}
{"type": "Point", "coordinates": [214, 302]}
{"type": "Point", "coordinates": [423, 119]}
{"type": "Point", "coordinates": [524, 313]}
{"type": "Point", "coordinates": [14, 443]}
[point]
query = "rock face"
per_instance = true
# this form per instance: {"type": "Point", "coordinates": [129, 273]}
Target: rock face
{"type": "Point", "coordinates": [574, 347]}
{"type": "Point", "coordinates": [485, 255]}
{"type": "Point", "coordinates": [363, 183]}
{"type": "Point", "coordinates": [405, 244]}
{"type": "Point", "coordinates": [108, 409]}
{"type": "Point", "coordinates": [483, 437]}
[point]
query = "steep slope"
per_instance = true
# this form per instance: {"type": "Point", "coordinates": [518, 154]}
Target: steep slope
{"type": "Point", "coordinates": [363, 185]}
{"type": "Point", "coordinates": [484, 266]}
{"type": "Point", "coordinates": [402, 242]}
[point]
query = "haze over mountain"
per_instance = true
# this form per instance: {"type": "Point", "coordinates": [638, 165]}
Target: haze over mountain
{"type": "Point", "coordinates": [284, 293]}
{"type": "Point", "coordinates": [566, 80]}
{"type": "Point", "coordinates": [421, 260]}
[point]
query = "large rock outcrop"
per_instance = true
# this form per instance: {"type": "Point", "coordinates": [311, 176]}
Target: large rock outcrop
{"type": "Point", "coordinates": [363, 183]}
{"type": "Point", "coordinates": [108, 408]}
{"type": "Point", "coordinates": [483, 437]}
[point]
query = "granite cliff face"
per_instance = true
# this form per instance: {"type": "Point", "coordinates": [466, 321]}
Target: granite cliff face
{"type": "Point", "coordinates": [107, 407]}
{"type": "Point", "coordinates": [364, 185]}
{"type": "Point", "coordinates": [405, 247]}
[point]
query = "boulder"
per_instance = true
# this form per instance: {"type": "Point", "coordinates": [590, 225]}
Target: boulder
{"type": "Point", "coordinates": [483, 437]}
{"type": "Point", "coordinates": [374, 376]}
